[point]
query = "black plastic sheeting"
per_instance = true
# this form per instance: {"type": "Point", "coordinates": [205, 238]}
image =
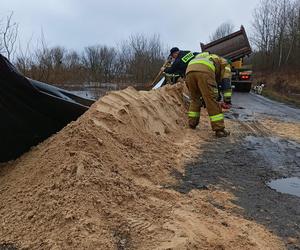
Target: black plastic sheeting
{"type": "Point", "coordinates": [31, 111]}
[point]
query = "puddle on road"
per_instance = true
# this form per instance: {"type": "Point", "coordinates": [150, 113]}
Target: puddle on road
{"type": "Point", "coordinates": [280, 154]}
{"type": "Point", "coordinates": [7, 246]}
{"type": "Point", "coordinates": [287, 185]}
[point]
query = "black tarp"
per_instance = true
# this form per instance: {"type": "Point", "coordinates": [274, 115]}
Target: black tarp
{"type": "Point", "coordinates": [31, 111]}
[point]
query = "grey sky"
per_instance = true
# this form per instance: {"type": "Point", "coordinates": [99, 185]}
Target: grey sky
{"type": "Point", "coordinates": [76, 24]}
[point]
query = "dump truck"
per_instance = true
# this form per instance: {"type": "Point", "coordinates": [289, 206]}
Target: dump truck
{"type": "Point", "coordinates": [234, 47]}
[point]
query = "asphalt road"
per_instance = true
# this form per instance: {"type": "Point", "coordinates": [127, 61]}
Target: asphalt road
{"type": "Point", "coordinates": [256, 105]}
{"type": "Point", "coordinates": [244, 163]}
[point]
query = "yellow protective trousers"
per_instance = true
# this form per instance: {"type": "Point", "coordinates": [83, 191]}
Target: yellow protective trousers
{"type": "Point", "coordinates": [203, 84]}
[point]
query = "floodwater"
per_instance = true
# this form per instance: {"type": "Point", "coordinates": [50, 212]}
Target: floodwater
{"type": "Point", "coordinates": [95, 91]}
{"type": "Point", "coordinates": [287, 185]}
{"type": "Point", "coordinates": [280, 154]}
{"type": "Point", "coordinates": [90, 93]}
{"type": "Point", "coordinates": [255, 105]}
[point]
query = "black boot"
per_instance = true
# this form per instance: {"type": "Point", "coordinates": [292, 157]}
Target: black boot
{"type": "Point", "coordinates": [222, 133]}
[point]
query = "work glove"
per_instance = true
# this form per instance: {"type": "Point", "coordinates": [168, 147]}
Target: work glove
{"type": "Point", "coordinates": [225, 105]}
{"type": "Point", "coordinates": [228, 102]}
{"type": "Point", "coordinates": [162, 68]}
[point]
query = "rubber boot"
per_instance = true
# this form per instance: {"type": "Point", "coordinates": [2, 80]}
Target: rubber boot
{"type": "Point", "coordinates": [222, 133]}
{"type": "Point", "coordinates": [193, 123]}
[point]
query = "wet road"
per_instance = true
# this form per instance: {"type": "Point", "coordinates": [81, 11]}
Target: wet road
{"type": "Point", "coordinates": [256, 105]}
{"type": "Point", "coordinates": [281, 153]}
{"type": "Point", "coordinates": [249, 159]}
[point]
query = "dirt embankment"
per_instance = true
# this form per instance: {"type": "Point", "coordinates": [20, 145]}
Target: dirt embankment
{"type": "Point", "coordinates": [102, 183]}
{"type": "Point", "coordinates": [280, 86]}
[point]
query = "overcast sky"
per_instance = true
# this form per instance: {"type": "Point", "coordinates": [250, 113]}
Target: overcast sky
{"type": "Point", "coordinates": [76, 24]}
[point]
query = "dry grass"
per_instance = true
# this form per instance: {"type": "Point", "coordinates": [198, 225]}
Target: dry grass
{"type": "Point", "coordinates": [280, 86]}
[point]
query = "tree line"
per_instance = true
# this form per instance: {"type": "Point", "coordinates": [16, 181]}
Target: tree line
{"type": "Point", "coordinates": [276, 35]}
{"type": "Point", "coordinates": [275, 38]}
{"type": "Point", "coordinates": [137, 60]}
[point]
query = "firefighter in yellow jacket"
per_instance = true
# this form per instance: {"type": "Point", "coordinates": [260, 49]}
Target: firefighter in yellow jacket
{"type": "Point", "coordinates": [202, 75]}
{"type": "Point", "coordinates": [225, 84]}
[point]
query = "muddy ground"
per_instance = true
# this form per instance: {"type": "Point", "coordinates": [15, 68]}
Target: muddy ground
{"type": "Point", "coordinates": [264, 145]}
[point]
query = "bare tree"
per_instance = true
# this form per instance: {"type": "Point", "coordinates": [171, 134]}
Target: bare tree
{"type": "Point", "coordinates": [9, 34]}
{"type": "Point", "coordinates": [142, 56]}
{"type": "Point", "coordinates": [276, 36]}
{"type": "Point", "coordinates": [24, 57]}
{"type": "Point", "coordinates": [136, 60]}
{"type": "Point", "coordinates": [262, 26]}
{"type": "Point", "coordinates": [223, 30]}
{"type": "Point", "coordinates": [99, 61]}
{"type": "Point", "coordinates": [72, 60]}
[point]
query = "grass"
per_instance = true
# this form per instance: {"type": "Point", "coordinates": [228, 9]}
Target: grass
{"type": "Point", "coordinates": [281, 98]}
{"type": "Point", "coordinates": [280, 86]}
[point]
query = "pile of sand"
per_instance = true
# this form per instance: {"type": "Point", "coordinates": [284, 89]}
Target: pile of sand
{"type": "Point", "coordinates": [101, 183]}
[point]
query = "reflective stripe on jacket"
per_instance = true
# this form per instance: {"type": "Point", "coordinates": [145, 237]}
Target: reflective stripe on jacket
{"type": "Point", "coordinates": [210, 63]}
{"type": "Point", "coordinates": [205, 59]}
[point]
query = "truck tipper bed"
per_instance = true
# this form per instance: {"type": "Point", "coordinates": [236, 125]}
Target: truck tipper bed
{"type": "Point", "coordinates": [234, 47]}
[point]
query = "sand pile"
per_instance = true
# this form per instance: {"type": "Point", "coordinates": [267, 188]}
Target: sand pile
{"type": "Point", "coordinates": [101, 183]}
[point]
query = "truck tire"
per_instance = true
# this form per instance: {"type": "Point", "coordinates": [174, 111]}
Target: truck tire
{"type": "Point", "coordinates": [242, 86]}
{"type": "Point", "coordinates": [246, 87]}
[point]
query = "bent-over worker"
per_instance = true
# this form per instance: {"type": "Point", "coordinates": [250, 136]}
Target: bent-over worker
{"type": "Point", "coordinates": [202, 74]}
{"type": "Point", "coordinates": [181, 58]}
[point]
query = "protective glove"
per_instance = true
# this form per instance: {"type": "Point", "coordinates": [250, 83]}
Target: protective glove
{"type": "Point", "coordinates": [225, 105]}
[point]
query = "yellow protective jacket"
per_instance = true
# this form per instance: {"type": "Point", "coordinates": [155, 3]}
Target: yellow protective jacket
{"type": "Point", "coordinates": [227, 70]}
{"type": "Point", "coordinates": [206, 62]}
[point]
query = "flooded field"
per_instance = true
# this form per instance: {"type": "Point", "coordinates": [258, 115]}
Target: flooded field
{"type": "Point", "coordinates": [97, 90]}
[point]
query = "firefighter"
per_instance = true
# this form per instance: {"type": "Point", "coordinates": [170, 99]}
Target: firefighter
{"type": "Point", "coordinates": [225, 85]}
{"type": "Point", "coordinates": [181, 58]}
{"type": "Point", "coordinates": [202, 74]}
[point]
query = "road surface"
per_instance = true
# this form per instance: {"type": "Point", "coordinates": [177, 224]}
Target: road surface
{"type": "Point", "coordinates": [257, 105]}
{"type": "Point", "coordinates": [264, 146]}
